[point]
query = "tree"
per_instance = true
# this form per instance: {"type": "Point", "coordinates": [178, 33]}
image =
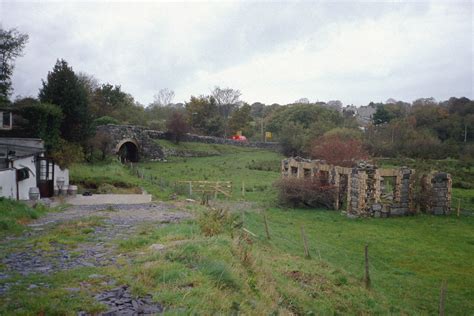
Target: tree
{"type": "Point", "coordinates": [12, 44]}
{"type": "Point", "coordinates": [293, 139]}
{"type": "Point", "coordinates": [108, 100]}
{"type": "Point", "coordinates": [177, 126]}
{"type": "Point", "coordinates": [43, 121]}
{"type": "Point", "coordinates": [102, 143]}
{"type": "Point", "coordinates": [62, 88]}
{"type": "Point", "coordinates": [227, 100]}
{"type": "Point", "coordinates": [240, 120]}
{"type": "Point", "coordinates": [204, 117]}
{"type": "Point", "coordinates": [338, 151]}
{"type": "Point", "coordinates": [164, 97]}
{"type": "Point", "coordinates": [302, 101]}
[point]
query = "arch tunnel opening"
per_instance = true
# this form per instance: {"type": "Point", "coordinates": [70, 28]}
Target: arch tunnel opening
{"type": "Point", "coordinates": [128, 152]}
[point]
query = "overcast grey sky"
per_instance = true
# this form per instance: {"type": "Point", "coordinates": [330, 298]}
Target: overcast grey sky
{"type": "Point", "coordinates": [353, 51]}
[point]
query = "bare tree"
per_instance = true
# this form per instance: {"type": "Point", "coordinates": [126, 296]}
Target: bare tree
{"type": "Point", "coordinates": [227, 100]}
{"type": "Point", "coordinates": [226, 96]}
{"type": "Point", "coordinates": [164, 97]}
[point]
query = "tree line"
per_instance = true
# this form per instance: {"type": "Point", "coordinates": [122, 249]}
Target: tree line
{"type": "Point", "coordinates": [70, 105]}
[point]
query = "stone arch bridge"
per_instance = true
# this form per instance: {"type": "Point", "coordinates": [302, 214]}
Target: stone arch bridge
{"type": "Point", "coordinates": [133, 143]}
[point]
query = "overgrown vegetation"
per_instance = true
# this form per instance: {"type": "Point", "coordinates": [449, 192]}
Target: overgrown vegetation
{"type": "Point", "coordinates": [14, 215]}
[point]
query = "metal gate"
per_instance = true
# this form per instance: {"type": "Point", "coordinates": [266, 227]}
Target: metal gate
{"type": "Point", "coordinates": [45, 176]}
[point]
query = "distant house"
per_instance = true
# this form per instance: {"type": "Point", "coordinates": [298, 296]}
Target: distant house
{"type": "Point", "coordinates": [23, 165]}
{"type": "Point", "coordinates": [364, 114]}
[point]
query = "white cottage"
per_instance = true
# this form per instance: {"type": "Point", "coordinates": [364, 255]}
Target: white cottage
{"type": "Point", "coordinates": [23, 167]}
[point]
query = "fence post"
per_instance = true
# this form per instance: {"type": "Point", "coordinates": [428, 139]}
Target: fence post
{"type": "Point", "coordinates": [266, 225]}
{"type": "Point", "coordinates": [442, 298]}
{"type": "Point", "coordinates": [305, 243]}
{"type": "Point", "coordinates": [459, 207]}
{"type": "Point", "coordinates": [190, 189]}
{"type": "Point", "coordinates": [243, 188]}
{"type": "Point", "coordinates": [366, 274]}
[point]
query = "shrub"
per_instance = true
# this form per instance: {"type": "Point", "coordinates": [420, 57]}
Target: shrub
{"type": "Point", "coordinates": [215, 221]}
{"type": "Point", "coordinates": [104, 120]}
{"type": "Point", "coordinates": [67, 154]}
{"type": "Point", "coordinates": [338, 151]}
{"type": "Point", "coordinates": [305, 192]}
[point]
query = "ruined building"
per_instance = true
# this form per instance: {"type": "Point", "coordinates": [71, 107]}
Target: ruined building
{"type": "Point", "coordinates": [370, 191]}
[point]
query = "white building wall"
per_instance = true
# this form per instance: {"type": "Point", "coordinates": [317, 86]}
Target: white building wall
{"type": "Point", "coordinates": [25, 185]}
{"type": "Point", "coordinates": [8, 183]}
{"type": "Point", "coordinates": [61, 173]}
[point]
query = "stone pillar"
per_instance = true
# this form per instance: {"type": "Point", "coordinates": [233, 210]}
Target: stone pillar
{"type": "Point", "coordinates": [439, 186]}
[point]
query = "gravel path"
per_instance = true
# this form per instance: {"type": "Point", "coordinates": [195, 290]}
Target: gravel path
{"type": "Point", "coordinates": [120, 221]}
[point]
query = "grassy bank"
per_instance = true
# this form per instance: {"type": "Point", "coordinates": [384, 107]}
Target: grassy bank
{"type": "Point", "coordinates": [409, 257]}
{"type": "Point", "coordinates": [14, 215]}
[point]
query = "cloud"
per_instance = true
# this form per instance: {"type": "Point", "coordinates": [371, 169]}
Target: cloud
{"type": "Point", "coordinates": [272, 52]}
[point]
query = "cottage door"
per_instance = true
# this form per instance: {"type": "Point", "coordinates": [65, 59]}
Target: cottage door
{"type": "Point", "coordinates": [45, 179]}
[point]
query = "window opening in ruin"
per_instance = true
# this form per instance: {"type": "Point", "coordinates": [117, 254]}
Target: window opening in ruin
{"type": "Point", "coordinates": [323, 177]}
{"type": "Point", "coordinates": [294, 171]}
{"type": "Point", "coordinates": [343, 186]}
{"type": "Point", "coordinates": [387, 188]}
{"type": "Point", "coordinates": [307, 173]}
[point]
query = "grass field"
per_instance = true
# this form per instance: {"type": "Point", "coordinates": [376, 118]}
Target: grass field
{"type": "Point", "coordinates": [212, 267]}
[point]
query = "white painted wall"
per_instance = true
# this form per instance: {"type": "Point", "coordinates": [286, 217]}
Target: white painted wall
{"type": "Point", "coordinates": [25, 185]}
{"type": "Point", "coordinates": [8, 186]}
{"type": "Point", "coordinates": [8, 183]}
{"type": "Point", "coordinates": [61, 173]}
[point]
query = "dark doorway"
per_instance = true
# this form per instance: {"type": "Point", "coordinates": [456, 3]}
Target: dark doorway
{"type": "Point", "coordinates": [128, 152]}
{"type": "Point", "coordinates": [45, 176]}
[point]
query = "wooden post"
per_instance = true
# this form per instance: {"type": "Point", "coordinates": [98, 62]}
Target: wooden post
{"type": "Point", "coordinates": [459, 207]}
{"type": "Point", "coordinates": [366, 275]}
{"type": "Point", "coordinates": [243, 188]}
{"type": "Point", "coordinates": [442, 298]}
{"type": "Point", "coordinates": [190, 189]}
{"type": "Point", "coordinates": [266, 225]}
{"type": "Point", "coordinates": [305, 243]}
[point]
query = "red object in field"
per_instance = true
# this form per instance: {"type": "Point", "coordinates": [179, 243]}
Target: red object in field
{"type": "Point", "coordinates": [239, 138]}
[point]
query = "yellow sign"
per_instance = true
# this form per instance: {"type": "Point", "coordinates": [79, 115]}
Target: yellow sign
{"type": "Point", "coordinates": [268, 135]}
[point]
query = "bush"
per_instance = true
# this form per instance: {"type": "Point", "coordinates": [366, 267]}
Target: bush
{"type": "Point", "coordinates": [104, 120]}
{"type": "Point", "coordinates": [305, 192]}
{"type": "Point", "coordinates": [338, 151]}
{"type": "Point", "coordinates": [67, 153]}
{"type": "Point", "coordinates": [215, 221]}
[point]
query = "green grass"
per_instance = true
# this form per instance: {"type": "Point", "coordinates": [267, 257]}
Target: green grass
{"type": "Point", "coordinates": [410, 257]}
{"type": "Point", "coordinates": [239, 168]}
{"type": "Point", "coordinates": [202, 149]}
{"type": "Point", "coordinates": [230, 272]}
{"type": "Point", "coordinates": [14, 215]}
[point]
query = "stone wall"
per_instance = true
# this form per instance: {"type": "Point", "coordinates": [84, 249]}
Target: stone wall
{"type": "Point", "coordinates": [369, 192]}
{"type": "Point", "coordinates": [149, 149]}
{"type": "Point", "coordinates": [438, 191]}
{"type": "Point", "coordinates": [214, 140]}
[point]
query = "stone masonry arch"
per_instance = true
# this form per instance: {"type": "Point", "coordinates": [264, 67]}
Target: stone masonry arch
{"type": "Point", "coordinates": [131, 143]}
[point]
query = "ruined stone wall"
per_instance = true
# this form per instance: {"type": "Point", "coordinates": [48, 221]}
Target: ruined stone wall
{"type": "Point", "coordinates": [368, 197]}
{"type": "Point", "coordinates": [438, 187]}
{"type": "Point", "coordinates": [374, 192]}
